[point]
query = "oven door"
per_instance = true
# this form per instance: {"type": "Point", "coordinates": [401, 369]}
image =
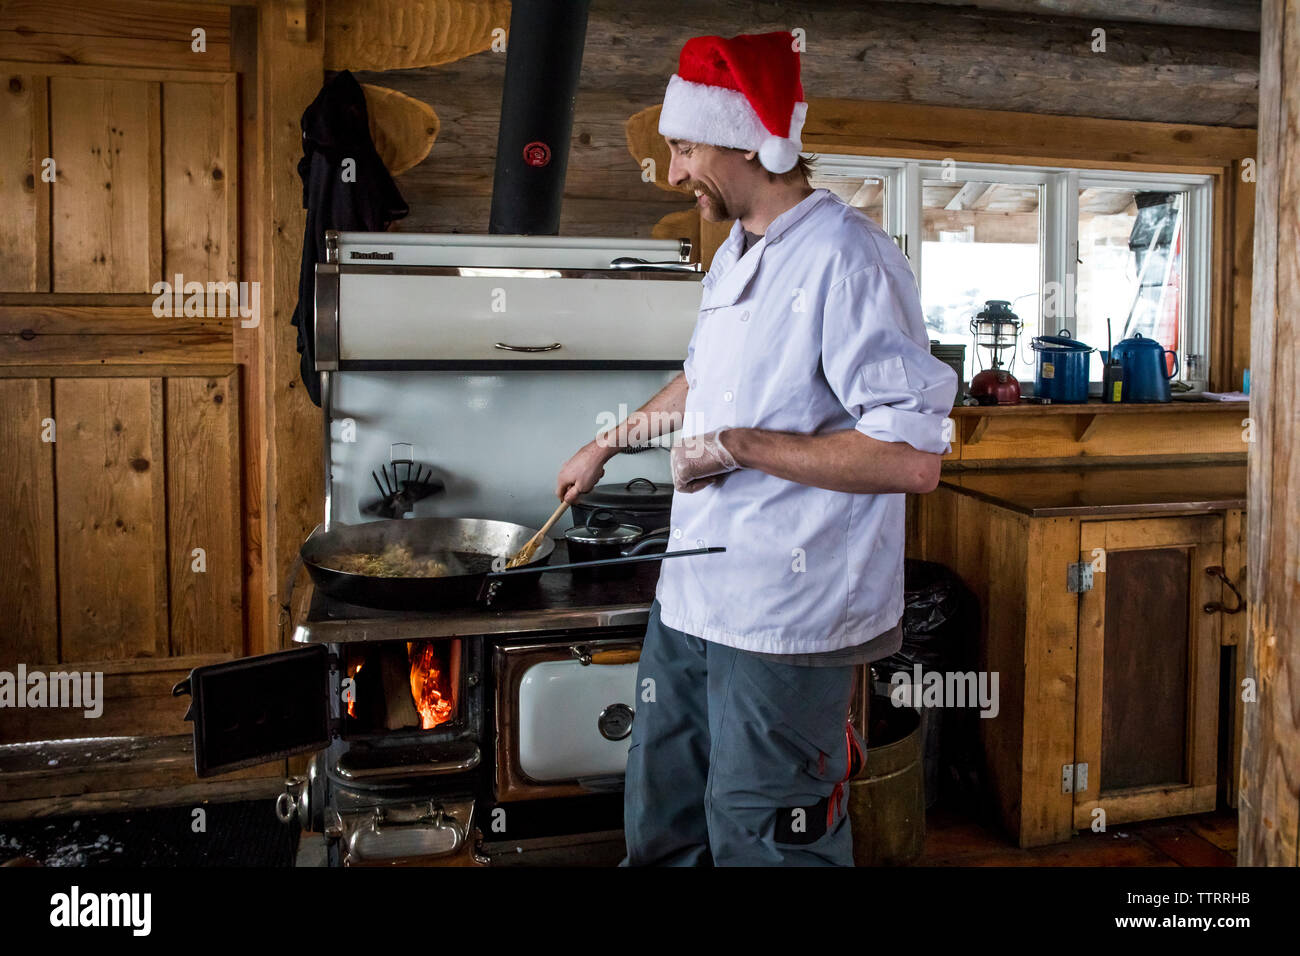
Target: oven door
{"type": "Point", "coordinates": [564, 716]}
{"type": "Point", "coordinates": [258, 709]}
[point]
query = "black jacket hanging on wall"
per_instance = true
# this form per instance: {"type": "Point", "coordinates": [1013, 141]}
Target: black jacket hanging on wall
{"type": "Point", "coordinates": [336, 128]}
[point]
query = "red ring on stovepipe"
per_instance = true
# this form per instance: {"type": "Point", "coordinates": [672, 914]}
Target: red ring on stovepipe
{"type": "Point", "coordinates": [537, 153]}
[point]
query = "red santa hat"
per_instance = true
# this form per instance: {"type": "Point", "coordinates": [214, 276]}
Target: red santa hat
{"type": "Point", "coordinates": [740, 91]}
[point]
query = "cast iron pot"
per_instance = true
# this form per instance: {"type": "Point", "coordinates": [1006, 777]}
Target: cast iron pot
{"type": "Point", "coordinates": [604, 536]}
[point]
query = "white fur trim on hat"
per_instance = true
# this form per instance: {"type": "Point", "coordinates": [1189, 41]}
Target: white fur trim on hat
{"type": "Point", "coordinates": [710, 114]}
{"type": "Point", "coordinates": [778, 155]}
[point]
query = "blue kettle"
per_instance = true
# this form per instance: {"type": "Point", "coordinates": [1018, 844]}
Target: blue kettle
{"type": "Point", "coordinates": [1146, 373]}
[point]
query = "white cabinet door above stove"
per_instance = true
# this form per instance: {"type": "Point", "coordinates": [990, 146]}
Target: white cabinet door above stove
{"type": "Point", "coordinates": [472, 319]}
{"type": "Point", "coordinates": [568, 714]}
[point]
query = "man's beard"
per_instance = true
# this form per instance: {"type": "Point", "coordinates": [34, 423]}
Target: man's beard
{"type": "Point", "coordinates": [717, 207]}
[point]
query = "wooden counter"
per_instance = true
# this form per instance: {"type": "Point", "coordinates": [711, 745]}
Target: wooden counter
{"type": "Point", "coordinates": [1103, 609]}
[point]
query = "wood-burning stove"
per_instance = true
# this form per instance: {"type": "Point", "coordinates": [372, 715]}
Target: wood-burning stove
{"type": "Point", "coordinates": [416, 354]}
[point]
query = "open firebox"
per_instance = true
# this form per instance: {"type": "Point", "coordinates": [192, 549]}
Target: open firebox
{"type": "Point", "coordinates": [401, 686]}
{"type": "Point", "coordinates": [396, 726]}
{"type": "Point", "coordinates": [253, 710]}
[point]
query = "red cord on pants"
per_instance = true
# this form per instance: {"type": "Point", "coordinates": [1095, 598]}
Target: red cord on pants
{"type": "Point", "coordinates": [837, 795]}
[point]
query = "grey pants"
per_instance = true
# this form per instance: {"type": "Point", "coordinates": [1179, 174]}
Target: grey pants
{"type": "Point", "coordinates": [735, 760]}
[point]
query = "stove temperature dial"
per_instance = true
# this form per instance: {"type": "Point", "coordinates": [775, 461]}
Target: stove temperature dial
{"type": "Point", "coordinates": [615, 721]}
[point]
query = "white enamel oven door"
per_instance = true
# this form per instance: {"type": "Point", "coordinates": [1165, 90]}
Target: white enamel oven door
{"type": "Point", "coordinates": [564, 712]}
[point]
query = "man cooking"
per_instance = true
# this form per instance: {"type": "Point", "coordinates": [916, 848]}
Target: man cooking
{"type": "Point", "coordinates": [812, 404]}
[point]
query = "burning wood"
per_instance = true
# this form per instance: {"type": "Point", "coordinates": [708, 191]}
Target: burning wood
{"type": "Point", "coordinates": [431, 685]}
{"type": "Point", "coordinates": [399, 709]}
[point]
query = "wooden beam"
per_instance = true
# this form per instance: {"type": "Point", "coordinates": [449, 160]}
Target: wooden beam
{"type": "Point", "coordinates": [290, 74]}
{"type": "Point", "coordinates": [248, 342]}
{"type": "Point", "coordinates": [1214, 14]}
{"type": "Point", "coordinates": [96, 350]}
{"type": "Point", "coordinates": [974, 135]}
{"type": "Point", "coordinates": [967, 196]}
{"type": "Point", "coordinates": [867, 194]}
{"type": "Point", "coordinates": [1270, 787]}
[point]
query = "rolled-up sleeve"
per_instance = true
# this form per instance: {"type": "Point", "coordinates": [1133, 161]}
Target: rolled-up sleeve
{"type": "Point", "coordinates": [876, 355]}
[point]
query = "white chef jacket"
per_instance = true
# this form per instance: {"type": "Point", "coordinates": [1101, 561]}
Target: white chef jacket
{"type": "Point", "coordinates": [817, 328]}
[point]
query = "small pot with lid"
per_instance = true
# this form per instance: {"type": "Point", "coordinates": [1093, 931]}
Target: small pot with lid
{"type": "Point", "coordinates": [1062, 374]}
{"type": "Point", "coordinates": [604, 536]}
{"type": "Point", "coordinates": [640, 502]}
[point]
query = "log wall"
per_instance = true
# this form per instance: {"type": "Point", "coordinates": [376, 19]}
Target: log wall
{"type": "Point", "coordinates": [933, 53]}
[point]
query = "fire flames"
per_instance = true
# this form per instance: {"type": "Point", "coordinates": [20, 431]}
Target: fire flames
{"type": "Point", "coordinates": [353, 671]}
{"type": "Point", "coordinates": [429, 685]}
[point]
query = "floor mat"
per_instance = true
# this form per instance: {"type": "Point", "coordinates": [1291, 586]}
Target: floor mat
{"type": "Point", "coordinates": [245, 833]}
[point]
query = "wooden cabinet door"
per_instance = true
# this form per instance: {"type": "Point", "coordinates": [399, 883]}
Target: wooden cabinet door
{"type": "Point", "coordinates": [121, 513]}
{"type": "Point", "coordinates": [1146, 719]}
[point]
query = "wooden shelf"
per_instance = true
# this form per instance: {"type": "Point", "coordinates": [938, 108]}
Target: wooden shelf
{"type": "Point", "coordinates": [1096, 429]}
{"type": "Point", "coordinates": [1096, 408]}
{"type": "Point", "coordinates": [1107, 490]}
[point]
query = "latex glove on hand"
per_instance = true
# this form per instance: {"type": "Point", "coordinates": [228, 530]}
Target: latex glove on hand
{"type": "Point", "coordinates": [700, 460]}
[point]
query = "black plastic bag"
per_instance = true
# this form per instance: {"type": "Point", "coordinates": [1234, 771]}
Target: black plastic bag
{"type": "Point", "coordinates": [941, 631]}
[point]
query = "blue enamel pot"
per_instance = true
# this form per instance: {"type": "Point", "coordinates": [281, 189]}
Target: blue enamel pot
{"type": "Point", "coordinates": [1062, 372]}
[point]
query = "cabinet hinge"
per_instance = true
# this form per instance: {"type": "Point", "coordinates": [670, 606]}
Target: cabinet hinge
{"type": "Point", "coordinates": [1078, 577]}
{"type": "Point", "coordinates": [1074, 778]}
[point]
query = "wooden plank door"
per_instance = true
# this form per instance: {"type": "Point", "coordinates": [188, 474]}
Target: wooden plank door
{"type": "Point", "coordinates": [122, 511]}
{"type": "Point", "coordinates": [1146, 717]}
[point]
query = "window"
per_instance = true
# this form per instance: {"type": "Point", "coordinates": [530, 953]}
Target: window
{"type": "Point", "coordinates": [1068, 248]}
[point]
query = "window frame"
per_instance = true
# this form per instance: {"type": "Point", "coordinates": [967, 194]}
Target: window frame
{"type": "Point", "coordinates": [1058, 227]}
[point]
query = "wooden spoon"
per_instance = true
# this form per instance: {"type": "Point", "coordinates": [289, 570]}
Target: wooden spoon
{"type": "Point", "coordinates": [528, 550]}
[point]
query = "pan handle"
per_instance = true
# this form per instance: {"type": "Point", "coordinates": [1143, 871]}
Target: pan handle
{"type": "Point", "coordinates": [493, 579]}
{"type": "Point", "coordinates": [651, 540]}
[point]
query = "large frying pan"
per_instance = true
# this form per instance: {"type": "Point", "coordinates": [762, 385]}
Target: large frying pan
{"type": "Point", "coordinates": [466, 545]}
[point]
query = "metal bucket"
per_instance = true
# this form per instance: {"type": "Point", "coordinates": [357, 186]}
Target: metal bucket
{"type": "Point", "coordinates": [887, 798]}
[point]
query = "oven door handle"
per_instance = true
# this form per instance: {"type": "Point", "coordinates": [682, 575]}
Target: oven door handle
{"type": "Point", "coordinates": [585, 656]}
{"type": "Point", "coordinates": [628, 655]}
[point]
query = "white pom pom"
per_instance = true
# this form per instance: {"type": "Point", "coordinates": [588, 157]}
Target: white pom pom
{"type": "Point", "coordinates": [778, 154]}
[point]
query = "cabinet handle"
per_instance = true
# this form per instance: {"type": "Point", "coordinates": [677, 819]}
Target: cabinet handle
{"type": "Point", "coordinates": [1215, 606]}
{"type": "Point", "coordinates": [528, 348]}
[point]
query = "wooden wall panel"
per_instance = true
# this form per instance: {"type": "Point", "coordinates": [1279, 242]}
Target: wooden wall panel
{"type": "Point", "coordinates": [203, 496]}
{"type": "Point", "coordinates": [198, 187]}
{"type": "Point", "coordinates": [135, 705]}
{"type": "Point", "coordinates": [22, 105]}
{"type": "Point", "coordinates": [111, 518]}
{"type": "Point", "coordinates": [116, 33]}
{"type": "Point", "coordinates": [97, 349]}
{"type": "Point", "coordinates": [104, 136]}
{"type": "Point", "coordinates": [28, 584]}
{"type": "Point", "coordinates": [1270, 787]}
